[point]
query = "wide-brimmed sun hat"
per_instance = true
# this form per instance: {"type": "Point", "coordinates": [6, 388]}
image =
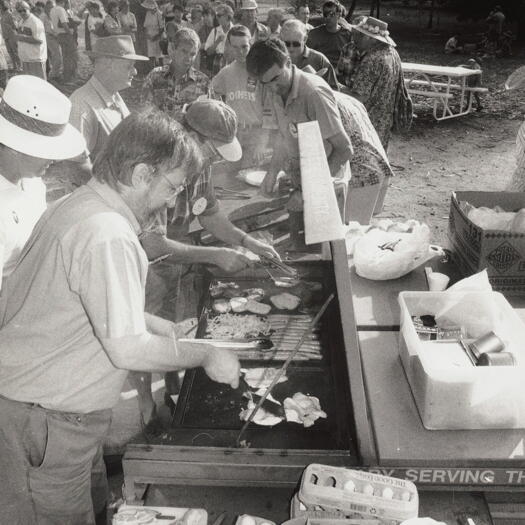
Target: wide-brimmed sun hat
{"type": "Point", "coordinates": [374, 28]}
{"type": "Point", "coordinates": [217, 122]}
{"type": "Point", "coordinates": [116, 46]}
{"type": "Point", "coordinates": [34, 120]}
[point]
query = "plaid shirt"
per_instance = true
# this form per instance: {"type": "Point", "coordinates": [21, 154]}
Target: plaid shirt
{"type": "Point", "coordinates": [183, 213]}
{"type": "Point", "coordinates": [168, 94]}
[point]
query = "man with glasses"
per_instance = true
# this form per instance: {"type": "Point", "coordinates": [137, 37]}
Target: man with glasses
{"type": "Point", "coordinates": [74, 309]}
{"type": "Point", "coordinates": [294, 34]}
{"type": "Point", "coordinates": [213, 126]}
{"type": "Point", "coordinates": [329, 38]}
{"type": "Point", "coordinates": [32, 47]}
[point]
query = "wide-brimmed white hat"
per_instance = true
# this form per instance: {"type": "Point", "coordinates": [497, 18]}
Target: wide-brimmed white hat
{"type": "Point", "coordinates": [374, 28]}
{"type": "Point", "coordinates": [34, 120]}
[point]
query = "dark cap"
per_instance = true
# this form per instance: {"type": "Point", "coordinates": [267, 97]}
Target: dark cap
{"type": "Point", "coordinates": [218, 123]}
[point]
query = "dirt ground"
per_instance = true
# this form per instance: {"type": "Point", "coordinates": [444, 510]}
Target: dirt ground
{"type": "Point", "coordinates": [474, 152]}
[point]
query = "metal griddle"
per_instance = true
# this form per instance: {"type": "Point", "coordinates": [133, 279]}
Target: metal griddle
{"type": "Point", "coordinates": [207, 413]}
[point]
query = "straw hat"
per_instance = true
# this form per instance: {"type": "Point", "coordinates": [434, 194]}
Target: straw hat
{"type": "Point", "coordinates": [375, 28]}
{"type": "Point", "coordinates": [34, 120]}
{"type": "Point", "coordinates": [117, 46]}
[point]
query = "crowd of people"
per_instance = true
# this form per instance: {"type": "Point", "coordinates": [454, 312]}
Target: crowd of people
{"type": "Point", "coordinates": [87, 282]}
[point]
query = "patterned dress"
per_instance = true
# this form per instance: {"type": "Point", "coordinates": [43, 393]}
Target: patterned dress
{"type": "Point", "coordinates": [369, 163]}
{"type": "Point", "coordinates": [169, 94]}
{"type": "Point", "coordinates": [375, 82]}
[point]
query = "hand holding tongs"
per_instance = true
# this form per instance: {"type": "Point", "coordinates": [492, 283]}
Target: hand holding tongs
{"type": "Point", "coordinates": [287, 270]}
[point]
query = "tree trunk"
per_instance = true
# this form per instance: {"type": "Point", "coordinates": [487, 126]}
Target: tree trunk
{"type": "Point", "coordinates": [375, 5]}
{"type": "Point", "coordinates": [351, 10]}
{"type": "Point", "coordinates": [431, 15]}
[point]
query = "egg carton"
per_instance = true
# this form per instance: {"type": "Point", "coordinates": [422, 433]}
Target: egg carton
{"type": "Point", "coordinates": [299, 510]}
{"type": "Point", "coordinates": [247, 519]}
{"type": "Point", "coordinates": [369, 495]}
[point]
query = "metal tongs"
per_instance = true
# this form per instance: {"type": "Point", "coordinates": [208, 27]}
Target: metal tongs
{"type": "Point", "coordinates": [231, 194]}
{"type": "Point", "coordinates": [270, 261]}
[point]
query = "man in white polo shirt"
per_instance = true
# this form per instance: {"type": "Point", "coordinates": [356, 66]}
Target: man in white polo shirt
{"type": "Point", "coordinates": [32, 46]}
{"type": "Point", "coordinates": [32, 135]}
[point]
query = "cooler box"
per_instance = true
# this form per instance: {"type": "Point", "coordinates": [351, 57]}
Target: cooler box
{"type": "Point", "coordinates": [451, 393]}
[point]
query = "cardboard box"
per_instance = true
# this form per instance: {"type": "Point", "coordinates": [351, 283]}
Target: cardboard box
{"type": "Point", "coordinates": [452, 395]}
{"type": "Point", "coordinates": [474, 249]}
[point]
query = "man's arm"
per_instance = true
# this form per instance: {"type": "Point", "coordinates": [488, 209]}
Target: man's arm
{"type": "Point", "coordinates": [157, 245]}
{"type": "Point", "coordinates": [29, 39]}
{"type": "Point", "coordinates": [221, 227]}
{"type": "Point", "coordinates": [108, 280]}
{"type": "Point", "coordinates": [342, 152]}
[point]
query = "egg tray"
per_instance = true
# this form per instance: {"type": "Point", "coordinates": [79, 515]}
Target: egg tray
{"type": "Point", "coordinates": [390, 499]}
{"type": "Point", "coordinates": [248, 519]}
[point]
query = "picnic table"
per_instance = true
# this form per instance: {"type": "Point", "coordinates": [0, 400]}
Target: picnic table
{"type": "Point", "coordinates": [447, 86]}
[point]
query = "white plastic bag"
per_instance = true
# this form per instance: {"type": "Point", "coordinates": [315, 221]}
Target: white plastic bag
{"type": "Point", "coordinates": [380, 255]}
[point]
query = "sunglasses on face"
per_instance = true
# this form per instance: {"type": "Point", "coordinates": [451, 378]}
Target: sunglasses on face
{"type": "Point", "coordinates": [289, 43]}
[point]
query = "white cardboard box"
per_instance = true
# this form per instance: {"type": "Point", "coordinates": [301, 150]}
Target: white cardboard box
{"type": "Point", "coordinates": [454, 394]}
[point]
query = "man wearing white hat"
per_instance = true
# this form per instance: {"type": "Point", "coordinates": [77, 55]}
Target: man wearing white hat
{"type": "Point", "coordinates": [248, 18]}
{"type": "Point", "coordinates": [34, 131]}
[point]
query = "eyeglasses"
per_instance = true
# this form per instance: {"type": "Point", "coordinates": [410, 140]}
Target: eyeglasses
{"type": "Point", "coordinates": [328, 14]}
{"type": "Point", "coordinates": [289, 43]}
{"type": "Point", "coordinates": [176, 190]}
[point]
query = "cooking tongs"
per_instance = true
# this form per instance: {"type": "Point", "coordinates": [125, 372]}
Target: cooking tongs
{"type": "Point", "coordinates": [270, 261]}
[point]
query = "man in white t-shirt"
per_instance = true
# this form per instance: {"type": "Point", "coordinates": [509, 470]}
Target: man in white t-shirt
{"type": "Point", "coordinates": [32, 46]}
{"type": "Point", "coordinates": [25, 153]}
{"type": "Point", "coordinates": [243, 94]}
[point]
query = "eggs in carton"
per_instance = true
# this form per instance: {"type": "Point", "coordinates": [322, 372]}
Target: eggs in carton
{"type": "Point", "coordinates": [356, 492]}
{"type": "Point", "coordinates": [247, 519]}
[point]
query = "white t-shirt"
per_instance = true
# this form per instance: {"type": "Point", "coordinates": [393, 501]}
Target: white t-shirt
{"type": "Point", "coordinates": [21, 205]}
{"type": "Point", "coordinates": [241, 92]}
{"type": "Point", "coordinates": [33, 52]}
{"type": "Point", "coordinates": [215, 33]}
{"type": "Point", "coordinates": [59, 14]}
